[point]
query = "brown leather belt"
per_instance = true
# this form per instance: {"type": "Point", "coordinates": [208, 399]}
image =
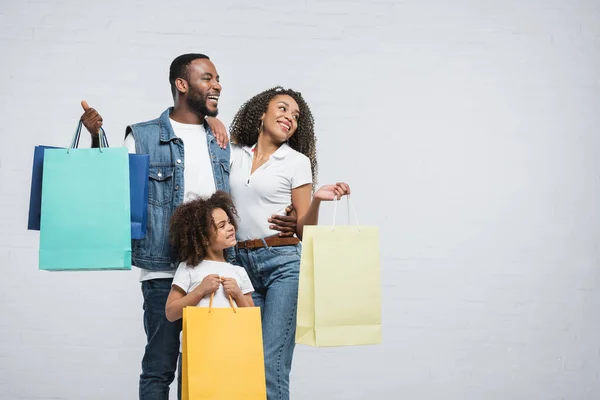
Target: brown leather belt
{"type": "Point", "coordinates": [272, 241]}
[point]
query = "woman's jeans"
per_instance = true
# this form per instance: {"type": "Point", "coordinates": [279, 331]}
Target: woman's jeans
{"type": "Point", "coordinates": [274, 274]}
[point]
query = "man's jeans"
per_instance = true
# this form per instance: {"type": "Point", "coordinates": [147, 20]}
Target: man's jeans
{"type": "Point", "coordinates": [274, 272]}
{"type": "Point", "coordinates": [162, 348]}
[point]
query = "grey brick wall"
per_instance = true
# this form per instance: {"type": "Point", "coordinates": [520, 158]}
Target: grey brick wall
{"type": "Point", "coordinates": [468, 131]}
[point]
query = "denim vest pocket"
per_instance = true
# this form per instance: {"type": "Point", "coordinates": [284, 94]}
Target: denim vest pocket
{"type": "Point", "coordinates": [160, 185]}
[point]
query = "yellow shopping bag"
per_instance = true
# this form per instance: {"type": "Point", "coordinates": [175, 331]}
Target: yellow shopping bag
{"type": "Point", "coordinates": [339, 296]}
{"type": "Point", "coordinates": [222, 354]}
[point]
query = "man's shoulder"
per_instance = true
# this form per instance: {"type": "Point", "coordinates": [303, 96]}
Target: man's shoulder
{"type": "Point", "coordinates": [152, 122]}
{"type": "Point", "coordinates": [147, 129]}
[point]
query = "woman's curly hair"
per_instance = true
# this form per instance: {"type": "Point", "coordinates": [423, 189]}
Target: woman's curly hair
{"type": "Point", "coordinates": [192, 224]}
{"type": "Point", "coordinates": [246, 124]}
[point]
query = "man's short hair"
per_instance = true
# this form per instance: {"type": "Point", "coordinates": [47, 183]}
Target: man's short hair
{"type": "Point", "coordinates": [179, 68]}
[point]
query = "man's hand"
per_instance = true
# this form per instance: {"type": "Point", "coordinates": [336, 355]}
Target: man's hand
{"type": "Point", "coordinates": [218, 130]}
{"type": "Point", "coordinates": [209, 285]}
{"type": "Point", "coordinates": [91, 119]}
{"type": "Point", "coordinates": [285, 224]}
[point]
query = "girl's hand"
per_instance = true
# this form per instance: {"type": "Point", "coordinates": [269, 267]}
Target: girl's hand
{"type": "Point", "coordinates": [231, 287]}
{"type": "Point", "coordinates": [332, 192]}
{"type": "Point", "coordinates": [209, 285]}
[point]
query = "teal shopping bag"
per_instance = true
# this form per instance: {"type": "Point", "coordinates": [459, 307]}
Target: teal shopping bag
{"type": "Point", "coordinates": [85, 218]}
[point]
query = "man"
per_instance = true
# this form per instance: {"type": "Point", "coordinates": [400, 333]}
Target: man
{"type": "Point", "coordinates": [196, 89]}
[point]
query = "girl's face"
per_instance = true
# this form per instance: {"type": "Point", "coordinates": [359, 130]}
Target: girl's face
{"type": "Point", "coordinates": [223, 234]}
{"type": "Point", "coordinates": [280, 121]}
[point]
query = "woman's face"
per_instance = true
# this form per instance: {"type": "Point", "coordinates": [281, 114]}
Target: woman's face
{"type": "Point", "coordinates": [280, 121]}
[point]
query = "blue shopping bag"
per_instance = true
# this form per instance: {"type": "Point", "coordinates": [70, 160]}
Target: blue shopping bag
{"type": "Point", "coordinates": [85, 208]}
{"type": "Point", "coordinates": [138, 180]}
{"type": "Point", "coordinates": [35, 196]}
{"type": "Point", "coordinates": [139, 169]}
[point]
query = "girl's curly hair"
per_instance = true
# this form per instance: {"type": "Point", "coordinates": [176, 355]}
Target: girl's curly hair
{"type": "Point", "coordinates": [246, 124]}
{"type": "Point", "coordinates": [192, 224]}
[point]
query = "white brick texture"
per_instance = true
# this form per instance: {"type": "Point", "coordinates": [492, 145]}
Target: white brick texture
{"type": "Point", "coordinates": [468, 131]}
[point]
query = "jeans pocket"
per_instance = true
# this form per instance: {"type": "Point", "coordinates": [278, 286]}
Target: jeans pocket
{"type": "Point", "coordinates": [291, 250]}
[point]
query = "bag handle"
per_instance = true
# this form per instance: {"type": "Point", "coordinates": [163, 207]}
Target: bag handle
{"type": "Point", "coordinates": [212, 296]}
{"type": "Point", "coordinates": [350, 204]}
{"type": "Point", "coordinates": [75, 141]}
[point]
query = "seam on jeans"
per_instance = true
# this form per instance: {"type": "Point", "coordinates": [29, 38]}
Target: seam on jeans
{"type": "Point", "coordinates": [251, 270]}
{"type": "Point", "coordinates": [257, 266]}
{"type": "Point", "coordinates": [287, 334]}
{"type": "Point", "coordinates": [275, 250]}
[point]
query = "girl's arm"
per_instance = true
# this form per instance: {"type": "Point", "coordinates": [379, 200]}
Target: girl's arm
{"type": "Point", "coordinates": [245, 301]}
{"type": "Point", "coordinates": [307, 209]}
{"type": "Point", "coordinates": [178, 299]}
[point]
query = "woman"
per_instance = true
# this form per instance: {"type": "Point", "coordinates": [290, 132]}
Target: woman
{"type": "Point", "coordinates": [273, 159]}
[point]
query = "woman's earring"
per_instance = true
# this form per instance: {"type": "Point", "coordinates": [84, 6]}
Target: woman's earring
{"type": "Point", "coordinates": [260, 128]}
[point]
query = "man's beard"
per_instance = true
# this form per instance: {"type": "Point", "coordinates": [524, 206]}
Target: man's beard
{"type": "Point", "coordinates": [197, 102]}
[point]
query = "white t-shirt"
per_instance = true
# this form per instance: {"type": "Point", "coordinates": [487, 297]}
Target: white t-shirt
{"type": "Point", "coordinates": [188, 278]}
{"type": "Point", "coordinates": [268, 190]}
{"type": "Point", "coordinates": [198, 178]}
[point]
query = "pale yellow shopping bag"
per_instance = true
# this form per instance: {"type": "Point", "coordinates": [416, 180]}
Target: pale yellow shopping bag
{"type": "Point", "coordinates": [339, 297]}
{"type": "Point", "coordinates": [222, 354]}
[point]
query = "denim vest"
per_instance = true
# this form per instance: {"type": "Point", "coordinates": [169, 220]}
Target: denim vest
{"type": "Point", "coordinates": [165, 186]}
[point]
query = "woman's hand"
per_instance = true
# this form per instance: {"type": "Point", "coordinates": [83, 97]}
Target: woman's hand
{"type": "Point", "coordinates": [332, 192]}
{"type": "Point", "coordinates": [219, 131]}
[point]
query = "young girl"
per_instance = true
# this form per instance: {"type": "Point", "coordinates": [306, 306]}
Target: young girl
{"type": "Point", "coordinates": [200, 230]}
{"type": "Point", "coordinates": [273, 160]}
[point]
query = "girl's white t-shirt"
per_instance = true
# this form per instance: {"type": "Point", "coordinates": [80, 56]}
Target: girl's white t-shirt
{"type": "Point", "coordinates": [189, 277]}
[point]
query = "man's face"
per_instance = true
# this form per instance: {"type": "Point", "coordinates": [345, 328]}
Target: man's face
{"type": "Point", "coordinates": [204, 87]}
